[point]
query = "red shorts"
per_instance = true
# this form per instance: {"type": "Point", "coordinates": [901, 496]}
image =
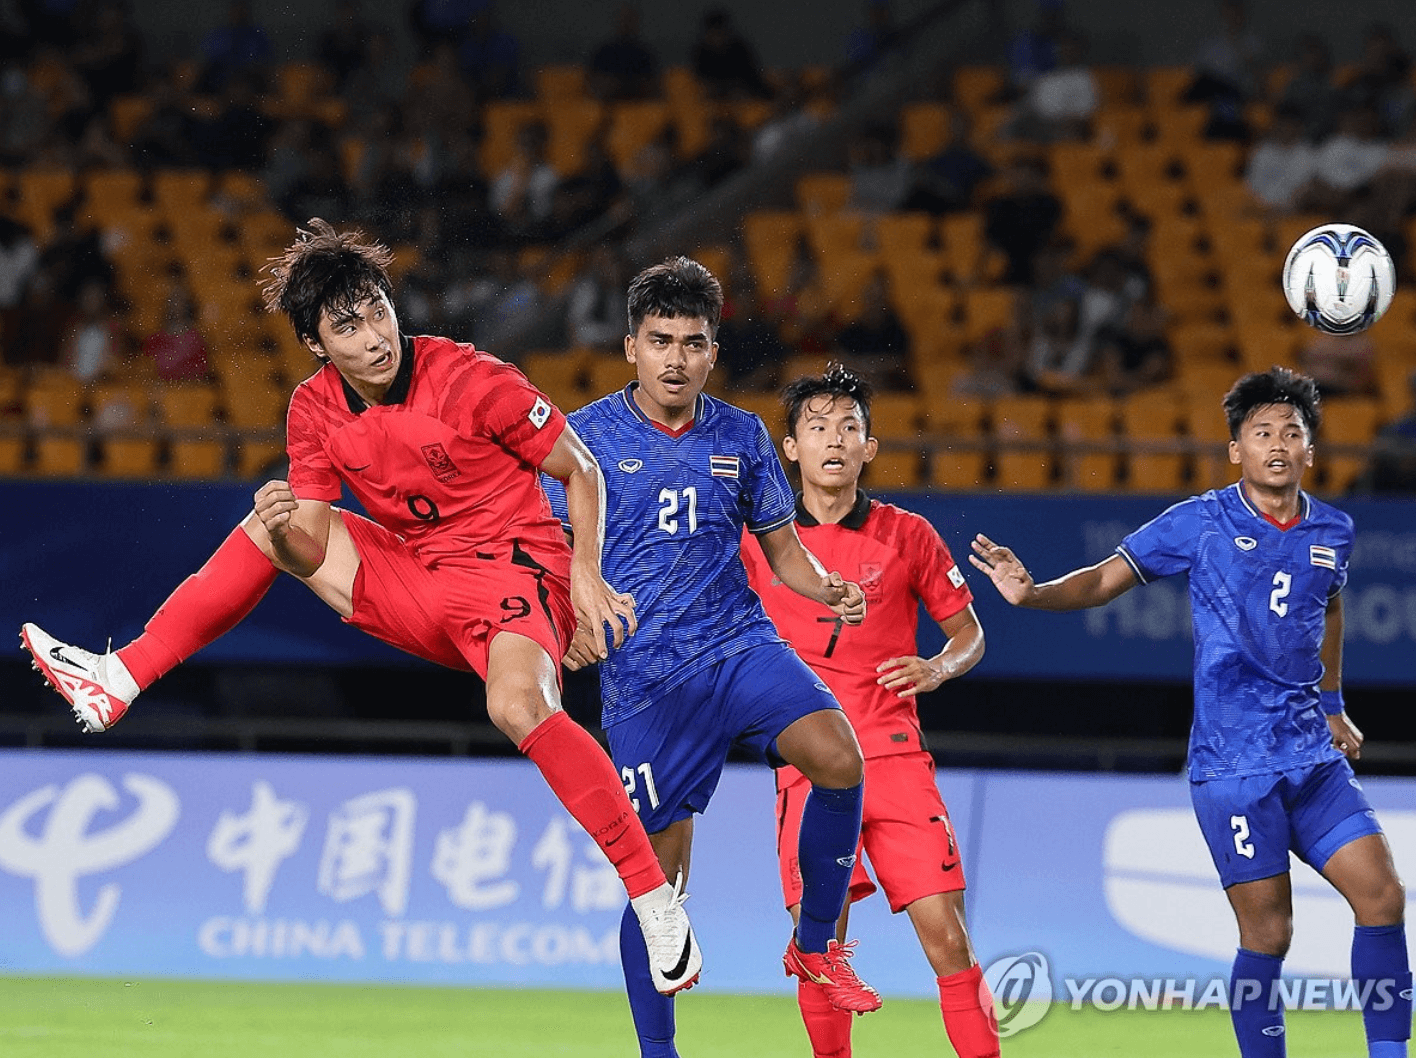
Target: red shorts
{"type": "Point", "coordinates": [905, 830]}
{"type": "Point", "coordinates": [449, 613]}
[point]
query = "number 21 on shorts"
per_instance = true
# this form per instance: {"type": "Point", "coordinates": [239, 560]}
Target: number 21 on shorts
{"type": "Point", "coordinates": [646, 776]}
{"type": "Point", "coordinates": [1244, 847]}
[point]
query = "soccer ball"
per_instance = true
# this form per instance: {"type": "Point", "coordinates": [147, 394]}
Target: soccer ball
{"type": "Point", "coordinates": [1339, 279]}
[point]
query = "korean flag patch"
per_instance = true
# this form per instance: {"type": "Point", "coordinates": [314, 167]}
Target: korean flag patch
{"type": "Point", "coordinates": [955, 577]}
{"type": "Point", "coordinates": [540, 412]}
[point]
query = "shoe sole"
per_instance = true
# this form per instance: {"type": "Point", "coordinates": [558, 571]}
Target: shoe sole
{"type": "Point", "coordinates": [40, 667]}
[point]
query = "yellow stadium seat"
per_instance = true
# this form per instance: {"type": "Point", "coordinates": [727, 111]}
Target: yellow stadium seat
{"type": "Point", "coordinates": [823, 192]}
{"type": "Point", "coordinates": [54, 400]}
{"type": "Point", "coordinates": [606, 374]}
{"type": "Point", "coordinates": [1117, 84]}
{"type": "Point", "coordinates": [300, 83]}
{"type": "Point", "coordinates": [1201, 343]}
{"type": "Point", "coordinates": [1023, 456]}
{"type": "Point", "coordinates": [1181, 125]}
{"type": "Point", "coordinates": [958, 468]}
{"type": "Point", "coordinates": [560, 84]}
{"type": "Point", "coordinates": [1120, 125]}
{"type": "Point", "coordinates": [197, 460]}
{"type": "Point", "coordinates": [893, 469]}
{"type": "Point", "coordinates": [977, 86]}
{"type": "Point", "coordinates": [187, 406]}
{"type": "Point", "coordinates": [832, 234]}
{"type": "Point", "coordinates": [257, 458]}
{"type": "Point", "coordinates": [924, 130]}
{"type": "Point", "coordinates": [128, 457]}
{"type": "Point", "coordinates": [127, 114]}
{"type": "Point", "coordinates": [502, 122]}
{"type": "Point", "coordinates": [111, 192]}
{"type": "Point", "coordinates": [254, 405]}
{"type": "Point", "coordinates": [633, 125]}
{"type": "Point", "coordinates": [1151, 422]}
{"type": "Point", "coordinates": [181, 191]}
{"type": "Point", "coordinates": [895, 416]}
{"type": "Point", "coordinates": [12, 454]}
{"type": "Point", "coordinates": [59, 457]}
{"type": "Point", "coordinates": [903, 233]}
{"type": "Point", "coordinates": [1083, 421]}
{"type": "Point", "coordinates": [1164, 84]}
{"type": "Point", "coordinates": [988, 309]}
{"type": "Point", "coordinates": [571, 125]}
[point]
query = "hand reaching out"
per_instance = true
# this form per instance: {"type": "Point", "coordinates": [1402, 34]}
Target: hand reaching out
{"type": "Point", "coordinates": [1004, 568]}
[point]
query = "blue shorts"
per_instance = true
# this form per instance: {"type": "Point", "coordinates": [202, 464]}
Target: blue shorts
{"type": "Point", "coordinates": [1250, 823]}
{"type": "Point", "coordinates": [671, 754]}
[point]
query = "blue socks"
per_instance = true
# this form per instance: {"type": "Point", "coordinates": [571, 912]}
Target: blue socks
{"type": "Point", "coordinates": [1258, 1020]}
{"type": "Point", "coordinates": [1379, 956]}
{"type": "Point", "coordinates": [826, 850]}
{"type": "Point", "coordinates": [653, 1013]}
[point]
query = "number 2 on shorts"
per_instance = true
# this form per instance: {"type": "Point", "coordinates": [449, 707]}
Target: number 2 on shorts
{"type": "Point", "coordinates": [1241, 832]}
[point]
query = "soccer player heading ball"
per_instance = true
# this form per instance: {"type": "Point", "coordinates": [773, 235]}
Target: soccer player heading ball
{"type": "Point", "coordinates": [1270, 742]}
{"type": "Point", "coordinates": [463, 563]}
{"type": "Point", "coordinates": [876, 673]}
{"type": "Point", "coordinates": [685, 474]}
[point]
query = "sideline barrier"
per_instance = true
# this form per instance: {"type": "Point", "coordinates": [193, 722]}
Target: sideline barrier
{"type": "Point", "coordinates": [469, 872]}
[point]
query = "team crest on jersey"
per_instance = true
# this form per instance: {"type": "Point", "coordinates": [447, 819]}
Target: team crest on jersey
{"type": "Point", "coordinates": [724, 466]}
{"type": "Point", "coordinates": [872, 576]}
{"type": "Point", "coordinates": [1322, 556]}
{"type": "Point", "coordinates": [443, 468]}
{"type": "Point", "coordinates": [540, 412]}
{"type": "Point", "coordinates": [1245, 543]}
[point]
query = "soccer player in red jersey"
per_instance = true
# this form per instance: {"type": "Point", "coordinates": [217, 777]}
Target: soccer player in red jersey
{"type": "Point", "coordinates": [462, 564]}
{"type": "Point", "coordinates": [875, 672]}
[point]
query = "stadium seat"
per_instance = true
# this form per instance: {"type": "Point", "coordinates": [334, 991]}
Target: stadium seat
{"type": "Point", "coordinates": [54, 399]}
{"type": "Point", "coordinates": [634, 125]}
{"type": "Point", "coordinates": [559, 374]}
{"type": "Point", "coordinates": [988, 309]}
{"type": "Point", "coordinates": [1121, 125]}
{"type": "Point", "coordinates": [126, 114]}
{"type": "Point", "coordinates": [502, 121]}
{"type": "Point", "coordinates": [823, 192]}
{"type": "Point", "coordinates": [606, 374]}
{"type": "Point", "coordinates": [128, 457]}
{"type": "Point", "coordinates": [252, 404]}
{"type": "Point", "coordinates": [767, 407]}
{"type": "Point", "coordinates": [1023, 457]}
{"type": "Point", "coordinates": [1152, 420]}
{"type": "Point", "coordinates": [1394, 381]}
{"type": "Point", "coordinates": [59, 457]}
{"type": "Point", "coordinates": [1118, 85]}
{"type": "Point", "coordinates": [187, 406]}
{"type": "Point", "coordinates": [1182, 126]}
{"type": "Point", "coordinates": [832, 234]}
{"type": "Point", "coordinates": [903, 233]}
{"type": "Point", "coordinates": [571, 125]}
{"type": "Point", "coordinates": [197, 460]}
{"type": "Point", "coordinates": [770, 237]}
{"type": "Point", "coordinates": [41, 192]}
{"type": "Point", "coordinates": [1198, 343]}
{"type": "Point", "coordinates": [560, 84]}
{"type": "Point", "coordinates": [893, 469]}
{"type": "Point", "coordinates": [977, 86]}
{"type": "Point", "coordinates": [924, 130]}
{"type": "Point", "coordinates": [680, 84]}
{"type": "Point", "coordinates": [1349, 424]}
{"type": "Point", "coordinates": [1164, 84]}
{"type": "Point", "coordinates": [12, 454]}
{"type": "Point", "coordinates": [1087, 420]}
{"type": "Point", "coordinates": [962, 243]}
{"type": "Point", "coordinates": [181, 191]}
{"type": "Point", "coordinates": [257, 458]}
{"type": "Point", "coordinates": [895, 416]}
{"type": "Point", "coordinates": [958, 468]}
{"type": "Point", "coordinates": [112, 192]}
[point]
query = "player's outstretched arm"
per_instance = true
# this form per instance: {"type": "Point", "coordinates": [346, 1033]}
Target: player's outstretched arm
{"type": "Point", "coordinates": [1079, 590]}
{"type": "Point", "coordinates": [963, 649]}
{"type": "Point", "coordinates": [1346, 736]}
{"type": "Point", "coordinates": [596, 603]}
{"type": "Point", "coordinates": [800, 570]}
{"type": "Point", "coordinates": [298, 529]}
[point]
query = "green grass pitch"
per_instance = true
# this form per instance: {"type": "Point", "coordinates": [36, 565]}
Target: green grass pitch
{"type": "Point", "coordinates": [105, 1018]}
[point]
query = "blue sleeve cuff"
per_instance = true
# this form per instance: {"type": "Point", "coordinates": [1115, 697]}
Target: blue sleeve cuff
{"type": "Point", "coordinates": [1331, 702]}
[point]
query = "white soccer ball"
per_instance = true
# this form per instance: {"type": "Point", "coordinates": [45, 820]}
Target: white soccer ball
{"type": "Point", "coordinates": [1339, 279]}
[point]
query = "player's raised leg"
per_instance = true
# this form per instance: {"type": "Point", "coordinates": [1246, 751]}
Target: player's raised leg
{"type": "Point", "coordinates": [523, 700]}
{"type": "Point", "coordinates": [823, 747]}
{"type": "Point", "coordinates": [1264, 911]}
{"type": "Point", "coordinates": [1363, 872]}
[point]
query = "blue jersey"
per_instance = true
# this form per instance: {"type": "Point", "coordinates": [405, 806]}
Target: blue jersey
{"type": "Point", "coordinates": [677, 507]}
{"type": "Point", "coordinates": [1258, 595]}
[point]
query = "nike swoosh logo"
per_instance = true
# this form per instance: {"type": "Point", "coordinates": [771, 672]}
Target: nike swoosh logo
{"type": "Point", "coordinates": [612, 840]}
{"type": "Point", "coordinates": [366, 466]}
{"type": "Point", "coordinates": [947, 866]}
{"type": "Point", "coordinates": [682, 965]}
{"type": "Point", "coordinates": [57, 654]}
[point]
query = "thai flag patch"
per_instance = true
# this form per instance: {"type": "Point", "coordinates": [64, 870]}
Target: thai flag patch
{"type": "Point", "coordinates": [1323, 556]}
{"type": "Point", "coordinates": [724, 466]}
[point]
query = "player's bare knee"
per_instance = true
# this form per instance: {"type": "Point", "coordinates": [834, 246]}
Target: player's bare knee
{"type": "Point", "coordinates": [836, 767]}
{"type": "Point", "coordinates": [517, 708]}
{"type": "Point", "coordinates": [1385, 905]}
{"type": "Point", "coordinates": [1269, 935]}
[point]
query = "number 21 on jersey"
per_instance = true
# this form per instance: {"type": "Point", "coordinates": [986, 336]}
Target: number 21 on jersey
{"type": "Point", "coordinates": [671, 503]}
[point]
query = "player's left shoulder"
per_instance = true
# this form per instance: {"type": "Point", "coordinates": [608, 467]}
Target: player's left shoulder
{"type": "Point", "coordinates": [1324, 517]}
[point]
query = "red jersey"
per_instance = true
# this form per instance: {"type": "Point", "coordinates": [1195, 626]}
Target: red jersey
{"type": "Point", "coordinates": [898, 560]}
{"type": "Point", "coordinates": [448, 462]}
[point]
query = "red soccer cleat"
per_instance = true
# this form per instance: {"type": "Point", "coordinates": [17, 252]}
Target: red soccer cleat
{"type": "Point", "coordinates": [832, 971]}
{"type": "Point", "coordinates": [98, 696]}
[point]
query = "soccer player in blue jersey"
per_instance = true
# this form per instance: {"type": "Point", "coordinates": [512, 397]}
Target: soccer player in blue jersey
{"type": "Point", "coordinates": [706, 670]}
{"type": "Point", "coordinates": [1270, 742]}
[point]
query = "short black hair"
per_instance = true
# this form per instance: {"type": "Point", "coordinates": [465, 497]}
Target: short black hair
{"type": "Point", "coordinates": [1277, 385]}
{"type": "Point", "coordinates": [325, 269]}
{"type": "Point", "coordinates": [677, 288]}
{"type": "Point", "coordinates": [836, 381]}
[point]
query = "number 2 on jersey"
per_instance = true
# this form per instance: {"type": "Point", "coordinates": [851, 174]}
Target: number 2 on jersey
{"type": "Point", "coordinates": [670, 500]}
{"type": "Point", "coordinates": [646, 772]}
{"type": "Point", "coordinates": [1282, 585]}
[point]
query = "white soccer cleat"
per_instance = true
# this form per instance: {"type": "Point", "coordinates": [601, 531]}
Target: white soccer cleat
{"type": "Point", "coordinates": [98, 687]}
{"type": "Point", "coordinates": [674, 957]}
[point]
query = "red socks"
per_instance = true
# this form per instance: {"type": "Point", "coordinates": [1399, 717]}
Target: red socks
{"type": "Point", "coordinates": [828, 1029]}
{"type": "Point", "coordinates": [581, 775]}
{"type": "Point", "coordinates": [968, 1013]}
{"type": "Point", "coordinates": [205, 606]}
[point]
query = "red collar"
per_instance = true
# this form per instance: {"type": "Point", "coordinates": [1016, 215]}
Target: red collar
{"type": "Point", "coordinates": [669, 429]}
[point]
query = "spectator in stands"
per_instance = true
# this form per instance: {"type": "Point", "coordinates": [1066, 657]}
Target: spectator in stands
{"type": "Point", "coordinates": [1228, 73]}
{"type": "Point", "coordinates": [880, 174]}
{"type": "Point", "coordinates": [165, 137]}
{"type": "Point", "coordinates": [750, 351]}
{"type": "Point", "coordinates": [1053, 281]}
{"type": "Point", "coordinates": [728, 149]}
{"type": "Point", "coordinates": [237, 136]}
{"type": "Point", "coordinates": [176, 351]}
{"type": "Point", "coordinates": [95, 342]}
{"type": "Point", "coordinates": [97, 149]}
{"type": "Point", "coordinates": [490, 56]}
{"type": "Point", "coordinates": [108, 55]}
{"type": "Point", "coordinates": [19, 258]}
{"type": "Point", "coordinates": [1392, 466]}
{"type": "Point", "coordinates": [624, 67]}
{"type": "Point", "coordinates": [995, 368]}
{"type": "Point", "coordinates": [1059, 103]}
{"type": "Point", "coordinates": [801, 311]}
{"type": "Point", "coordinates": [35, 330]}
{"type": "Point", "coordinates": [380, 80]}
{"type": "Point", "coordinates": [1341, 365]}
{"type": "Point", "coordinates": [1346, 162]}
{"type": "Point", "coordinates": [1283, 163]}
{"type": "Point", "coordinates": [597, 309]}
{"type": "Point", "coordinates": [1101, 312]}
{"type": "Point", "coordinates": [595, 192]}
{"type": "Point", "coordinates": [1034, 51]}
{"type": "Point", "coordinates": [725, 62]}
{"type": "Point", "coordinates": [1382, 81]}
{"type": "Point", "coordinates": [74, 256]}
{"type": "Point", "coordinates": [523, 193]}
{"type": "Point", "coordinates": [1311, 96]}
{"type": "Point", "coordinates": [791, 116]}
{"type": "Point", "coordinates": [241, 46]}
{"type": "Point", "coordinates": [344, 46]}
{"type": "Point", "coordinates": [868, 42]}
{"type": "Point", "coordinates": [68, 102]}
{"type": "Point", "coordinates": [441, 97]}
{"type": "Point", "coordinates": [24, 117]}
{"type": "Point", "coordinates": [1023, 218]}
{"type": "Point", "coordinates": [1135, 354]}
{"type": "Point", "coordinates": [875, 344]}
{"type": "Point", "coordinates": [946, 182]}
